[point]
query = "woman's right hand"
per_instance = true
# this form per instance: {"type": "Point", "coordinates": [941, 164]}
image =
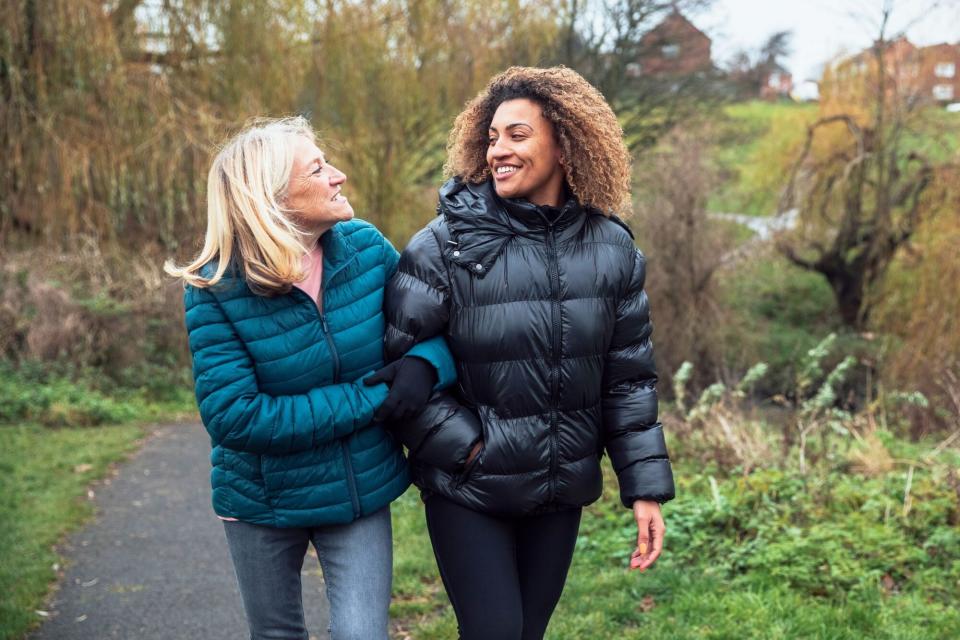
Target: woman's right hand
{"type": "Point", "coordinates": [411, 380]}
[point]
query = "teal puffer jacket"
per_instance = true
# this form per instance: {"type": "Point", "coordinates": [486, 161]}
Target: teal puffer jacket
{"type": "Point", "coordinates": [279, 389]}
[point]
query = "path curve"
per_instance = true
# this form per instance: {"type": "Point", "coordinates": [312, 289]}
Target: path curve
{"type": "Point", "coordinates": [153, 564]}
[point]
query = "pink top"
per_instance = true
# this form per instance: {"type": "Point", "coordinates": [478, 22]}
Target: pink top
{"type": "Point", "coordinates": [313, 265]}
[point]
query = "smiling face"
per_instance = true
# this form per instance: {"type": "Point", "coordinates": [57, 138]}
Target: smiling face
{"type": "Point", "coordinates": [523, 154]}
{"type": "Point", "coordinates": [313, 193]}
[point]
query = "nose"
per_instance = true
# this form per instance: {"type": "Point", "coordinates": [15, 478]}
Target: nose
{"type": "Point", "coordinates": [499, 149]}
{"type": "Point", "coordinates": [337, 176]}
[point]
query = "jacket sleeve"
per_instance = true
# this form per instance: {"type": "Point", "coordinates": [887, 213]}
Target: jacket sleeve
{"type": "Point", "coordinates": [632, 434]}
{"type": "Point", "coordinates": [417, 305]}
{"type": "Point", "coordinates": [239, 416]}
{"type": "Point", "coordinates": [434, 349]}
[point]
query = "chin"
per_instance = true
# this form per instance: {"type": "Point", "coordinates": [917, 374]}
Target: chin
{"type": "Point", "coordinates": [507, 192]}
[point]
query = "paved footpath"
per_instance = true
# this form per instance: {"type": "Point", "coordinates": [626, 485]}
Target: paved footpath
{"type": "Point", "coordinates": [154, 564]}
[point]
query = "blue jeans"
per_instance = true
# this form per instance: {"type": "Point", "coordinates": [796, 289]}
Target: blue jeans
{"type": "Point", "coordinates": [357, 563]}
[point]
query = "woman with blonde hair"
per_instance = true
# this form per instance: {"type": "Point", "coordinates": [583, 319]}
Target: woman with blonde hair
{"type": "Point", "coordinates": [539, 290]}
{"type": "Point", "coordinates": [283, 312]}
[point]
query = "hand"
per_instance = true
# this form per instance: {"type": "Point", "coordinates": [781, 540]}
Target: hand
{"type": "Point", "coordinates": [474, 452]}
{"type": "Point", "coordinates": [650, 531]}
{"type": "Point", "coordinates": [411, 380]}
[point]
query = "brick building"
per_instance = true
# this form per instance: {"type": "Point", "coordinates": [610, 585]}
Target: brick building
{"type": "Point", "coordinates": [940, 70]}
{"type": "Point", "coordinates": [674, 47]}
{"type": "Point", "coordinates": [927, 74]}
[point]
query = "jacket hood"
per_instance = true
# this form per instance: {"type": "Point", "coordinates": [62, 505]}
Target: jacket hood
{"type": "Point", "coordinates": [482, 223]}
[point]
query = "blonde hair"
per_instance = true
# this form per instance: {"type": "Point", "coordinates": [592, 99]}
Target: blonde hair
{"type": "Point", "coordinates": [245, 189]}
{"type": "Point", "coordinates": [595, 158]}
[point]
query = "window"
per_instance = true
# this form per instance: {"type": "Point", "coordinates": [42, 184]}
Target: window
{"type": "Point", "coordinates": [670, 50]}
{"type": "Point", "coordinates": [945, 70]}
{"type": "Point", "coordinates": [943, 92]}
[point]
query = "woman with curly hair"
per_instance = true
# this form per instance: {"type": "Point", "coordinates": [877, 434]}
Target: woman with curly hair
{"type": "Point", "coordinates": [538, 288]}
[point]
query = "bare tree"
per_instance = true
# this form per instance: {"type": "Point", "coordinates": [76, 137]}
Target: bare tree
{"type": "Point", "coordinates": [604, 40]}
{"type": "Point", "coordinates": [860, 189]}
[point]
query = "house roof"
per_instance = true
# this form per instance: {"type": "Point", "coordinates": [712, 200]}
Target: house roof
{"type": "Point", "coordinates": [673, 19]}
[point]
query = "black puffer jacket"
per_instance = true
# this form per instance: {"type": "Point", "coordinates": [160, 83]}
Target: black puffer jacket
{"type": "Point", "coordinates": [545, 313]}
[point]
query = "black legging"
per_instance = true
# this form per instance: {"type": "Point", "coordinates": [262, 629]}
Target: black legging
{"type": "Point", "coordinates": [504, 576]}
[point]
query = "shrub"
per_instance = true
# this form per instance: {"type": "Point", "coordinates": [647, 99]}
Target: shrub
{"type": "Point", "coordinates": [113, 320]}
{"type": "Point", "coordinates": [59, 402]}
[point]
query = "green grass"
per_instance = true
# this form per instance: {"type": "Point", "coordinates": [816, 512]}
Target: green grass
{"type": "Point", "coordinates": [39, 393]}
{"type": "Point", "coordinates": [59, 431]}
{"type": "Point", "coordinates": [752, 154]}
{"type": "Point", "coordinates": [935, 134]}
{"type": "Point", "coordinates": [758, 141]}
{"type": "Point", "coordinates": [776, 557]}
{"type": "Point", "coordinates": [44, 474]}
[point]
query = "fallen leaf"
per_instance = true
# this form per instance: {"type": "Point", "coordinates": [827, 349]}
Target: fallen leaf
{"type": "Point", "coordinates": [43, 614]}
{"type": "Point", "coordinates": [82, 468]}
{"type": "Point", "coordinates": [647, 604]}
{"type": "Point", "coordinates": [888, 582]}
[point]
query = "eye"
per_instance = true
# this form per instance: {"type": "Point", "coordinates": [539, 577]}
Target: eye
{"type": "Point", "coordinates": [492, 141]}
{"type": "Point", "coordinates": [319, 169]}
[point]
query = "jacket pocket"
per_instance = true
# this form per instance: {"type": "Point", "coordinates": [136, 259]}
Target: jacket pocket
{"type": "Point", "coordinates": [450, 430]}
{"type": "Point", "coordinates": [469, 468]}
{"type": "Point", "coordinates": [271, 470]}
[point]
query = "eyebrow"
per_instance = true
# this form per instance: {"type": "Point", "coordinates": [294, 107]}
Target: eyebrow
{"type": "Point", "coordinates": [319, 161]}
{"type": "Point", "coordinates": [513, 125]}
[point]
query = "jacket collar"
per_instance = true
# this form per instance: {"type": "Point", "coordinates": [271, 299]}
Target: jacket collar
{"type": "Point", "coordinates": [338, 252]}
{"type": "Point", "coordinates": [481, 223]}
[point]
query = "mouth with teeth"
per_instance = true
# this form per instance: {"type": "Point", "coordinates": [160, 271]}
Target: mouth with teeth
{"type": "Point", "coordinates": [504, 171]}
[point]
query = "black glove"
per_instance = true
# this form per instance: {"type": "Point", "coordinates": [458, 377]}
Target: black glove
{"type": "Point", "coordinates": [411, 380]}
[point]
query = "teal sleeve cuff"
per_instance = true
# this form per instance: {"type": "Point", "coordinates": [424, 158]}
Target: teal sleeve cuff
{"type": "Point", "coordinates": [375, 394]}
{"type": "Point", "coordinates": [437, 353]}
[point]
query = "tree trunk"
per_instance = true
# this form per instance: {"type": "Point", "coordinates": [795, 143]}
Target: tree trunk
{"type": "Point", "coordinates": [848, 292]}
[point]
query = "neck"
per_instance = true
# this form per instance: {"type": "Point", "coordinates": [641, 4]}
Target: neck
{"type": "Point", "coordinates": [551, 194]}
{"type": "Point", "coordinates": [310, 237]}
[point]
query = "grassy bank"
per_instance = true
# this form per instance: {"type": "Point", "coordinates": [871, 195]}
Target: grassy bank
{"type": "Point", "coordinates": [44, 475]}
{"type": "Point", "coordinates": [769, 555]}
{"type": "Point", "coordinates": [756, 142]}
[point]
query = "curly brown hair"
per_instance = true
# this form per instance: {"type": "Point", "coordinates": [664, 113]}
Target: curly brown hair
{"type": "Point", "coordinates": [595, 159]}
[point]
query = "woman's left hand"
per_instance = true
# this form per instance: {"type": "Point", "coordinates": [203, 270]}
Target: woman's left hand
{"type": "Point", "coordinates": [650, 531]}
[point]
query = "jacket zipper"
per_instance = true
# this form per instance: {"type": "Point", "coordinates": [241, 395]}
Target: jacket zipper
{"type": "Point", "coordinates": [555, 368]}
{"type": "Point", "coordinates": [317, 307]}
{"type": "Point", "coordinates": [347, 463]}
